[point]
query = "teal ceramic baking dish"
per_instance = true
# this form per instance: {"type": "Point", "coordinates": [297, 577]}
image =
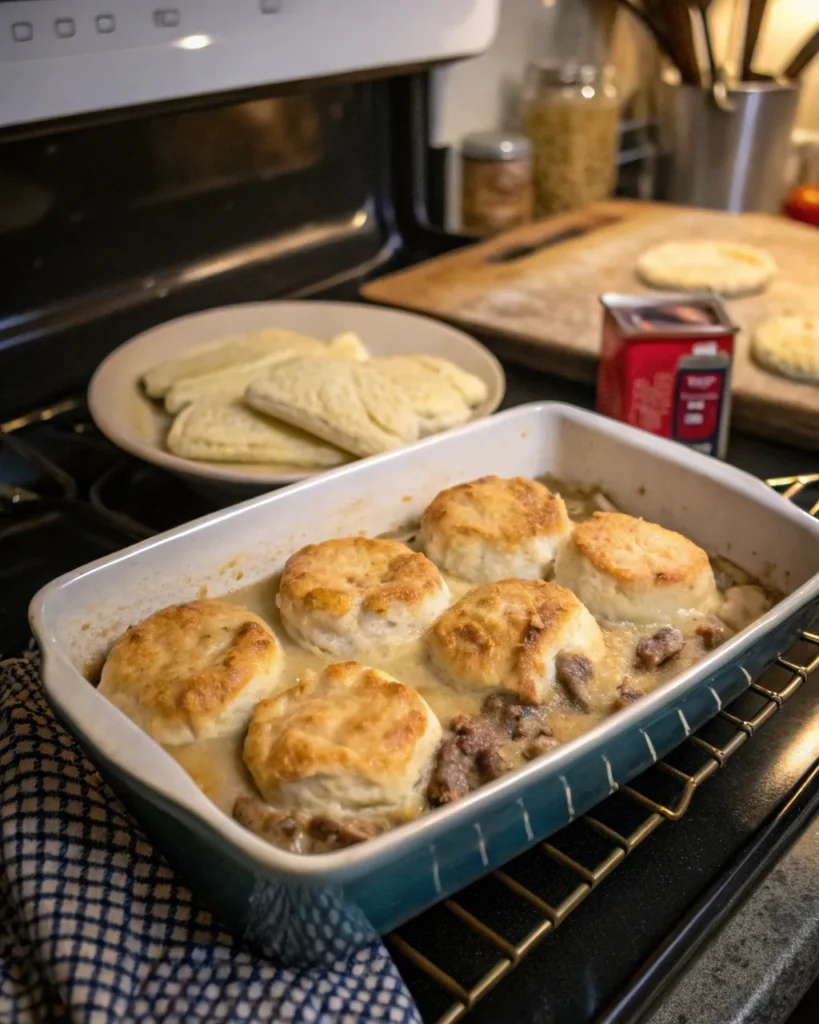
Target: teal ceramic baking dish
{"type": "Point", "coordinates": [309, 908]}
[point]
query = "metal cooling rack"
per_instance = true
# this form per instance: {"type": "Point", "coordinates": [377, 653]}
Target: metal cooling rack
{"type": "Point", "coordinates": [684, 785]}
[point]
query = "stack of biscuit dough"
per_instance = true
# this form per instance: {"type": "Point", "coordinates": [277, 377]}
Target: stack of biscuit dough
{"type": "Point", "coordinates": [278, 396]}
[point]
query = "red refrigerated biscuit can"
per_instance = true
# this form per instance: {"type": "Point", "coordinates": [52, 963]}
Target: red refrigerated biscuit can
{"type": "Point", "coordinates": [665, 366]}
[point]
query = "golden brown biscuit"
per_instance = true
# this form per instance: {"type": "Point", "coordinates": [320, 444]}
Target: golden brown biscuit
{"type": "Point", "coordinates": [343, 597]}
{"type": "Point", "coordinates": [627, 569]}
{"type": "Point", "coordinates": [192, 671]}
{"type": "Point", "coordinates": [508, 635]}
{"type": "Point", "coordinates": [493, 528]}
{"type": "Point", "coordinates": [347, 739]}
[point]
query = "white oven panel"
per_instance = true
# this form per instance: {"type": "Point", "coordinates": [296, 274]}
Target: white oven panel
{"type": "Point", "coordinates": [63, 57]}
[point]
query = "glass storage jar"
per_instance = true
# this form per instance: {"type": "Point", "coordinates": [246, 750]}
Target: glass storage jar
{"type": "Point", "coordinates": [496, 172]}
{"type": "Point", "coordinates": [571, 113]}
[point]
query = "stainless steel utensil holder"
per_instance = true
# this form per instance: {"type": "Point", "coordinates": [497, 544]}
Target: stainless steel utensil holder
{"type": "Point", "coordinates": [727, 160]}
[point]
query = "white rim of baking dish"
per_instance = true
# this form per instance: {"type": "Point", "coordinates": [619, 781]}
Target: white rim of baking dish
{"type": "Point", "coordinates": [135, 753]}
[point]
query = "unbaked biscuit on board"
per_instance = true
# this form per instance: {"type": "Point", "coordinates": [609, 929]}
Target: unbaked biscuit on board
{"type": "Point", "coordinates": [788, 346]}
{"type": "Point", "coordinates": [729, 268]}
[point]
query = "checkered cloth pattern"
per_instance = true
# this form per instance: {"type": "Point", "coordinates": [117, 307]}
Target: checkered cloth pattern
{"type": "Point", "coordinates": [95, 926]}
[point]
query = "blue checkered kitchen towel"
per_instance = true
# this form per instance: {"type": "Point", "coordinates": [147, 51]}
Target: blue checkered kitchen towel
{"type": "Point", "coordinates": [95, 926]}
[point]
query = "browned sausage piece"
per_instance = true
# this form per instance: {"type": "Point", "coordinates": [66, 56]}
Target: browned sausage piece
{"type": "Point", "coordinates": [664, 644]}
{"type": "Point", "coordinates": [627, 694]}
{"type": "Point", "coordinates": [491, 764]}
{"type": "Point", "coordinates": [338, 834]}
{"type": "Point", "coordinates": [471, 755]}
{"type": "Point", "coordinates": [479, 736]}
{"type": "Point", "coordinates": [276, 827]}
{"type": "Point", "coordinates": [711, 633]}
{"type": "Point", "coordinates": [574, 672]}
{"type": "Point", "coordinates": [539, 745]}
{"type": "Point", "coordinates": [450, 776]}
{"type": "Point", "coordinates": [531, 728]}
{"type": "Point", "coordinates": [474, 733]}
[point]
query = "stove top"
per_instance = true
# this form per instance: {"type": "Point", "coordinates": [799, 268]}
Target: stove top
{"type": "Point", "coordinates": [290, 193]}
{"type": "Point", "coordinates": [68, 496]}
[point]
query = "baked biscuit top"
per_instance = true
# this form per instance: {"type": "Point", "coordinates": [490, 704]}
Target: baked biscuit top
{"type": "Point", "coordinates": [179, 673]}
{"type": "Point", "coordinates": [347, 738]}
{"type": "Point", "coordinates": [504, 512]}
{"type": "Point", "coordinates": [336, 575]}
{"type": "Point", "coordinates": [635, 551]}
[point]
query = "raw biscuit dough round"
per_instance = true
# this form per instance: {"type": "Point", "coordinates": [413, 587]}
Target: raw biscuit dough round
{"type": "Point", "coordinates": [730, 268]}
{"type": "Point", "coordinates": [789, 346]}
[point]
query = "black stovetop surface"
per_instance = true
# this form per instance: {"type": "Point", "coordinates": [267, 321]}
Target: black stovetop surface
{"type": "Point", "coordinates": [68, 496]}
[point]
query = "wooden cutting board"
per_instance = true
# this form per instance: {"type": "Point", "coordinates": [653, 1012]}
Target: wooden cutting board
{"type": "Point", "coordinates": [533, 293]}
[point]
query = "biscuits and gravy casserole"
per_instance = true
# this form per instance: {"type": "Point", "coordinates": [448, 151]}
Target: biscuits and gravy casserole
{"type": "Point", "coordinates": [378, 678]}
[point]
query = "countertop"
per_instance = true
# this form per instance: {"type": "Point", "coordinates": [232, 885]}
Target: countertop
{"type": "Point", "coordinates": [758, 966]}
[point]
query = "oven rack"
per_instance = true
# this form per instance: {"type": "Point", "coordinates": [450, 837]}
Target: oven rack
{"type": "Point", "coordinates": [620, 844]}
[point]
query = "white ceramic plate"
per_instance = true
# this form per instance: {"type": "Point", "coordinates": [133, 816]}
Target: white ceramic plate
{"type": "Point", "coordinates": [131, 420]}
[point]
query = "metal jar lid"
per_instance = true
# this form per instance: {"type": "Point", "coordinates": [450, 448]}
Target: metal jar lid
{"type": "Point", "coordinates": [549, 74]}
{"type": "Point", "coordinates": [496, 146]}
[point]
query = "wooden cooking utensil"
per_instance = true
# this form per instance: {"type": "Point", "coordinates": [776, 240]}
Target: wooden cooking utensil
{"type": "Point", "coordinates": [702, 10]}
{"type": "Point", "coordinates": [657, 11]}
{"type": "Point", "coordinates": [803, 56]}
{"type": "Point", "coordinates": [753, 24]}
{"type": "Point", "coordinates": [719, 91]}
{"type": "Point", "coordinates": [669, 20]}
{"type": "Point", "coordinates": [681, 34]}
{"type": "Point", "coordinates": [651, 26]}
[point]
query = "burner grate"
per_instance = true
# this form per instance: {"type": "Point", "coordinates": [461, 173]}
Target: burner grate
{"type": "Point", "coordinates": [649, 810]}
{"type": "Point", "coordinates": [799, 488]}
